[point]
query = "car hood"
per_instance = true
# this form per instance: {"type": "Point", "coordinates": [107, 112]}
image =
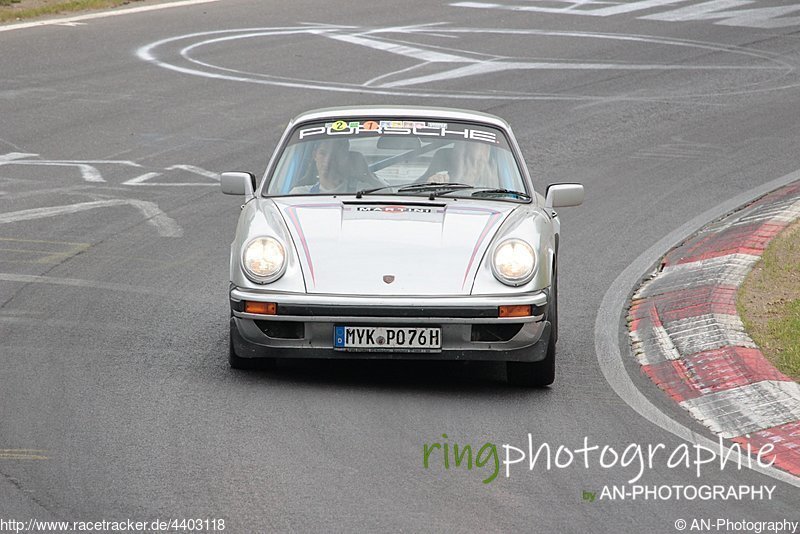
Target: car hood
{"type": "Point", "coordinates": [391, 246]}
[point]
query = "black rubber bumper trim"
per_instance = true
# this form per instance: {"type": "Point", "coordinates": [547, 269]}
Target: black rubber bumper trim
{"type": "Point", "coordinates": [459, 312]}
{"type": "Point", "coordinates": [393, 311]}
{"type": "Point", "coordinates": [533, 353]}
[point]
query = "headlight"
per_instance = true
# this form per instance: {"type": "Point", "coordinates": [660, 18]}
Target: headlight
{"type": "Point", "coordinates": [514, 262]}
{"type": "Point", "coordinates": [264, 260]}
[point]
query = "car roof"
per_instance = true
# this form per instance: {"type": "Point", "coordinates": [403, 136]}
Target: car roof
{"type": "Point", "coordinates": [411, 112]}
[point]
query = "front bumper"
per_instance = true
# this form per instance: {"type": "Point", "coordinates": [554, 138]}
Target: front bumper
{"type": "Point", "coordinates": [471, 329]}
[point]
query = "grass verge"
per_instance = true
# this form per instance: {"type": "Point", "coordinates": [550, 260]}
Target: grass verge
{"type": "Point", "coordinates": [769, 302]}
{"type": "Point", "coordinates": [27, 9]}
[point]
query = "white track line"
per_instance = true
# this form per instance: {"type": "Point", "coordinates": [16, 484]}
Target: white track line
{"type": "Point", "coordinates": [610, 318]}
{"type": "Point", "coordinates": [88, 172]}
{"type": "Point", "coordinates": [103, 14]}
{"type": "Point", "coordinates": [72, 282]}
{"type": "Point", "coordinates": [165, 225]}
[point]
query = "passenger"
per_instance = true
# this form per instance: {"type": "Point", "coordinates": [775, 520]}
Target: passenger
{"type": "Point", "coordinates": [467, 163]}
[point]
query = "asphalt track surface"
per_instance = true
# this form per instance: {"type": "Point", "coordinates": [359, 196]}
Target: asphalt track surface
{"type": "Point", "coordinates": [113, 329]}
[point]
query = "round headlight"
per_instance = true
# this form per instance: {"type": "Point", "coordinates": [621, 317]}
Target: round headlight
{"type": "Point", "coordinates": [514, 262]}
{"type": "Point", "coordinates": [264, 260]}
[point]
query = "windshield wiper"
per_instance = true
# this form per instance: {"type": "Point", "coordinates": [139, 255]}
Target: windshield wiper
{"type": "Point", "coordinates": [500, 191]}
{"type": "Point", "coordinates": [434, 186]}
{"type": "Point", "coordinates": [415, 187]}
{"type": "Point", "coordinates": [444, 188]}
{"type": "Point", "coordinates": [363, 192]}
{"type": "Point", "coordinates": [485, 191]}
{"type": "Point", "coordinates": [440, 188]}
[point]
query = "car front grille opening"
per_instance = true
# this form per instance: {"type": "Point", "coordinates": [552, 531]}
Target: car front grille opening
{"type": "Point", "coordinates": [495, 332]}
{"type": "Point", "coordinates": [282, 329]}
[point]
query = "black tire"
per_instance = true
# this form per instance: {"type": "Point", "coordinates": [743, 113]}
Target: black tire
{"type": "Point", "coordinates": [236, 362]}
{"type": "Point", "coordinates": [554, 310]}
{"type": "Point", "coordinates": [541, 373]}
{"type": "Point", "coordinates": [534, 374]}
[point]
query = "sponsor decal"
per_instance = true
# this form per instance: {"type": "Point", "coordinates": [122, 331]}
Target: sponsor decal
{"type": "Point", "coordinates": [418, 128]}
{"type": "Point", "coordinates": [394, 209]}
{"type": "Point", "coordinates": [422, 214]}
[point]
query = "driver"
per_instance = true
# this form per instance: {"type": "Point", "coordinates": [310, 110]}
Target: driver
{"type": "Point", "coordinates": [331, 172]}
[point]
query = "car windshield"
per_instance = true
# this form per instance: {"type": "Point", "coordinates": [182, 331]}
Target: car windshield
{"type": "Point", "coordinates": [398, 157]}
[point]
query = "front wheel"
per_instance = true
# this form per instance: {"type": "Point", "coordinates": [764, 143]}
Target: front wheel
{"type": "Point", "coordinates": [541, 373]}
{"type": "Point", "coordinates": [237, 362]}
{"type": "Point", "coordinates": [534, 374]}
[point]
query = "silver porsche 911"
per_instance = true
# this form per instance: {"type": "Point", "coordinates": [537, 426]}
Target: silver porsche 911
{"type": "Point", "coordinates": [397, 232]}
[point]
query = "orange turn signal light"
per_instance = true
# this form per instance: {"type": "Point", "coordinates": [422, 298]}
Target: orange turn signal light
{"type": "Point", "coordinates": [515, 311]}
{"type": "Point", "coordinates": [261, 308]}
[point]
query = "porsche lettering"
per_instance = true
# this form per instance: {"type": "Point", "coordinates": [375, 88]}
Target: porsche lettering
{"type": "Point", "coordinates": [397, 128]}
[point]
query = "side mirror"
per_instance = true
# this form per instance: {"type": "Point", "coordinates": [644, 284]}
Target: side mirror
{"type": "Point", "coordinates": [563, 195]}
{"type": "Point", "coordinates": [238, 183]}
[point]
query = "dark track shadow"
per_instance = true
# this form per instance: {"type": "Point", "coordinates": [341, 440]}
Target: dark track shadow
{"type": "Point", "coordinates": [395, 375]}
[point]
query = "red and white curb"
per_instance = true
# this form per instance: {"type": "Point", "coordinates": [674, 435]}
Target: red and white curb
{"type": "Point", "coordinates": [690, 341]}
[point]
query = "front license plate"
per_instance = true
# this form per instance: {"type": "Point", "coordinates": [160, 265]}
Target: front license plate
{"type": "Point", "coordinates": [394, 339]}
